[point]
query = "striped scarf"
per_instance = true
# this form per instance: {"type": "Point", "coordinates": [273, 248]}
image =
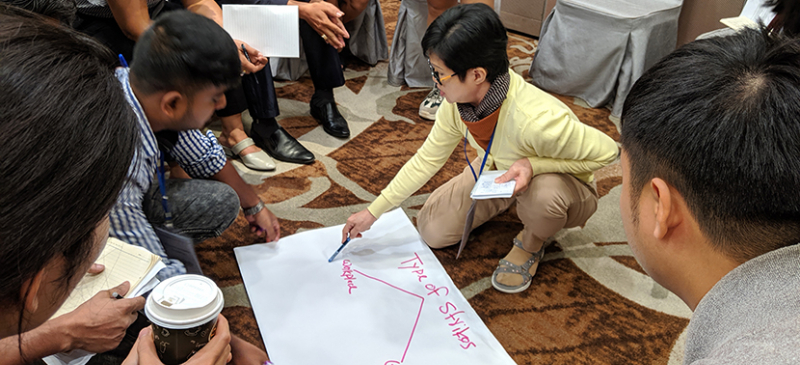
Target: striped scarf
{"type": "Point", "coordinates": [491, 101]}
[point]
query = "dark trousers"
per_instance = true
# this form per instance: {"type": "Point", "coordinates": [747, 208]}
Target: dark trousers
{"type": "Point", "coordinates": [201, 209]}
{"type": "Point", "coordinates": [258, 92]}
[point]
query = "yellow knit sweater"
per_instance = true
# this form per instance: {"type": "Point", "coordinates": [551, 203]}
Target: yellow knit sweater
{"type": "Point", "coordinates": [532, 124]}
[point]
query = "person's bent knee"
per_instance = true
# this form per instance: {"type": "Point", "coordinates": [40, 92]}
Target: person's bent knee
{"type": "Point", "coordinates": [433, 233]}
{"type": "Point", "coordinates": [226, 205]}
{"type": "Point", "coordinates": [548, 195]}
{"type": "Point", "coordinates": [228, 202]}
{"type": "Point", "coordinates": [359, 5]}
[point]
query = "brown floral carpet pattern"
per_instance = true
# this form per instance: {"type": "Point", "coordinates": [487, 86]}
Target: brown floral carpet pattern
{"type": "Point", "coordinates": [589, 303]}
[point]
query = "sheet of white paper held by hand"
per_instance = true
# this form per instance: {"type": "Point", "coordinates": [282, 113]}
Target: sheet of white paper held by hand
{"type": "Point", "coordinates": [384, 300]}
{"type": "Point", "coordinates": [274, 30]}
{"type": "Point", "coordinates": [486, 188]}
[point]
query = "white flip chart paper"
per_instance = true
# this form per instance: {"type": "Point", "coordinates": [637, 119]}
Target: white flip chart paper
{"type": "Point", "coordinates": [272, 29]}
{"type": "Point", "coordinates": [384, 300]}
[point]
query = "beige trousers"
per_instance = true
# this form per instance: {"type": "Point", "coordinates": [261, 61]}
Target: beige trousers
{"type": "Point", "coordinates": [551, 202]}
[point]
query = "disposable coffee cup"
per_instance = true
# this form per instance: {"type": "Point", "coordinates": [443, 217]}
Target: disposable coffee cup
{"type": "Point", "coordinates": [184, 311]}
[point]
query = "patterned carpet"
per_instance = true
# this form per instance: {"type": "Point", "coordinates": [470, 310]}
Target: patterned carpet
{"type": "Point", "coordinates": [589, 303]}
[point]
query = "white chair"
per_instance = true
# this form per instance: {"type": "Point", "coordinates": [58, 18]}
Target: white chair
{"type": "Point", "coordinates": [407, 64]}
{"type": "Point", "coordinates": [597, 49]}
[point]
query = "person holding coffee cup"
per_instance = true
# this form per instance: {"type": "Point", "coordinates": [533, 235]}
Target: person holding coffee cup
{"type": "Point", "coordinates": [55, 193]}
{"type": "Point", "coordinates": [183, 311]}
{"type": "Point", "coordinates": [216, 352]}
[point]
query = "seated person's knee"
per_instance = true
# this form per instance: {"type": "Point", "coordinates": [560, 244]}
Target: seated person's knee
{"type": "Point", "coordinates": [432, 233]}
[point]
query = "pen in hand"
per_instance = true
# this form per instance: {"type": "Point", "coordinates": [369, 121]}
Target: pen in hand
{"type": "Point", "coordinates": [340, 248]}
{"type": "Point", "coordinates": [247, 56]}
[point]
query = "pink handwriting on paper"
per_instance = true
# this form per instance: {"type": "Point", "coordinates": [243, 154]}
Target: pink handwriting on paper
{"type": "Point", "coordinates": [412, 264]}
{"type": "Point", "coordinates": [434, 290]}
{"type": "Point", "coordinates": [460, 327]}
{"type": "Point", "coordinates": [347, 274]}
{"type": "Point", "coordinates": [416, 321]}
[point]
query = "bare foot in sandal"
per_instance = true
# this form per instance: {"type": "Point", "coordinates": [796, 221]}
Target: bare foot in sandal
{"type": "Point", "coordinates": [516, 270]}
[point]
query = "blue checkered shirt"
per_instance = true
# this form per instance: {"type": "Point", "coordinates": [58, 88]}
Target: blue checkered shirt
{"type": "Point", "coordinates": [198, 154]}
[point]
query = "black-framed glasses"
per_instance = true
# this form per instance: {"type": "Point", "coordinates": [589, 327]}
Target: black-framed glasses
{"type": "Point", "coordinates": [435, 74]}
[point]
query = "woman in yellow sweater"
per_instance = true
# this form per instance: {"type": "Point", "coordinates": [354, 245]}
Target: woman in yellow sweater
{"type": "Point", "coordinates": [526, 131]}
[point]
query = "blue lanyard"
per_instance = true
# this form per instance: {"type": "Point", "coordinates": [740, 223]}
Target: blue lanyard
{"type": "Point", "coordinates": [486, 155]}
{"type": "Point", "coordinates": [162, 181]}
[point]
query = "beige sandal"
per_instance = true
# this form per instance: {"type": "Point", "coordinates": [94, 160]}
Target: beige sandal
{"type": "Point", "coordinates": [524, 270]}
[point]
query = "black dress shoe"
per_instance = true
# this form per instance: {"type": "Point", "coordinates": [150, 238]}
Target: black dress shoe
{"type": "Point", "coordinates": [281, 145]}
{"type": "Point", "coordinates": [332, 122]}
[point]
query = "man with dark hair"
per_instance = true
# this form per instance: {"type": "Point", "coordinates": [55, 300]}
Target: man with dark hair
{"type": "Point", "coordinates": [184, 64]}
{"type": "Point", "coordinates": [119, 23]}
{"type": "Point", "coordinates": [711, 171]}
{"type": "Point", "coordinates": [514, 126]}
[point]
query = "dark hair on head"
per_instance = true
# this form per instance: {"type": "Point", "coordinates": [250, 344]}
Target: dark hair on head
{"type": "Point", "coordinates": [62, 10]}
{"type": "Point", "coordinates": [787, 16]}
{"type": "Point", "coordinates": [469, 36]}
{"type": "Point", "coordinates": [184, 52]}
{"type": "Point", "coordinates": [718, 120]}
{"type": "Point", "coordinates": [68, 139]}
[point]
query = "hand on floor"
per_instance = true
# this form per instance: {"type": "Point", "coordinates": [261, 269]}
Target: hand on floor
{"type": "Point", "coordinates": [266, 223]}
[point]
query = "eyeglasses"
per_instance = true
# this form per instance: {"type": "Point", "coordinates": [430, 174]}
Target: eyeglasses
{"type": "Point", "coordinates": [435, 74]}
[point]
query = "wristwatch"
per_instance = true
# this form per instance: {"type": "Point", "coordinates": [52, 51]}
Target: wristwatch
{"type": "Point", "coordinates": [254, 210]}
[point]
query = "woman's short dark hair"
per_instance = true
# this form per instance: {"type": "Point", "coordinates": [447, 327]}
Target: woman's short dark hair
{"type": "Point", "coordinates": [469, 36]}
{"type": "Point", "coordinates": [718, 120]}
{"type": "Point", "coordinates": [184, 52]}
{"type": "Point", "coordinates": [68, 139]}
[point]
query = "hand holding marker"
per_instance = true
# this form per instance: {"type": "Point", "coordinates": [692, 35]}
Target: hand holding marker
{"type": "Point", "coordinates": [340, 248]}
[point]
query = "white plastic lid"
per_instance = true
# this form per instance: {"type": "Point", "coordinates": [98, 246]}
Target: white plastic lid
{"type": "Point", "coordinates": [184, 301]}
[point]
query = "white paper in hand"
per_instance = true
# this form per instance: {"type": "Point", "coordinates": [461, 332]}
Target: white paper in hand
{"type": "Point", "coordinates": [274, 30]}
{"type": "Point", "coordinates": [486, 188]}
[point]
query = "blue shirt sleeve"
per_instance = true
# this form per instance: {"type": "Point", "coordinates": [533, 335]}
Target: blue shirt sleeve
{"type": "Point", "coordinates": [200, 155]}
